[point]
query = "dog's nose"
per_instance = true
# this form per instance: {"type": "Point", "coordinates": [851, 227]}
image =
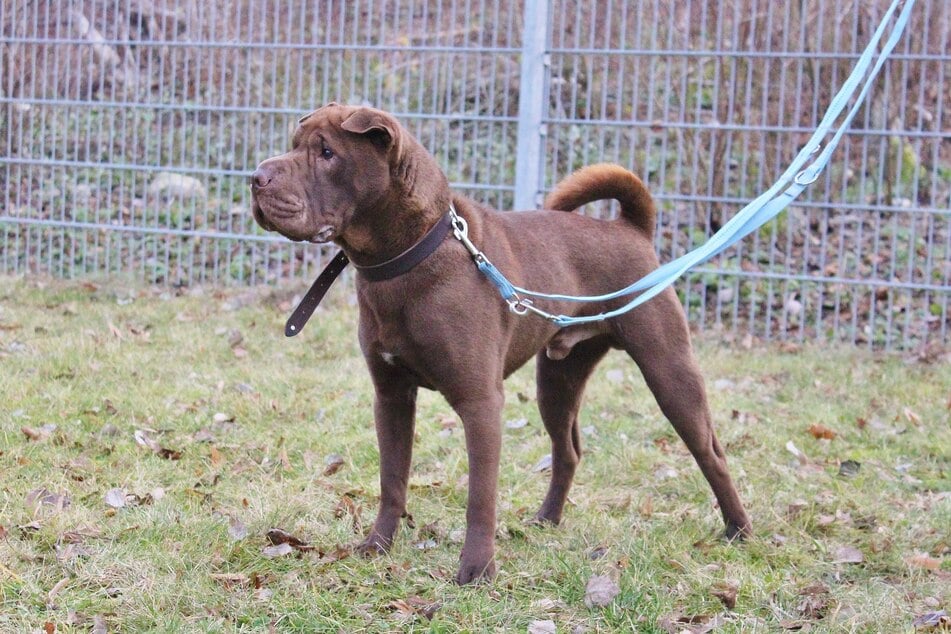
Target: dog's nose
{"type": "Point", "coordinates": [259, 179]}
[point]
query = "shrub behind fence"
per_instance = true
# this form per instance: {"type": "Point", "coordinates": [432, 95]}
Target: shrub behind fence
{"type": "Point", "coordinates": [128, 129]}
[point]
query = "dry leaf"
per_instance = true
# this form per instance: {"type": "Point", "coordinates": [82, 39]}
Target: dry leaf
{"type": "Point", "coordinates": [99, 625]}
{"type": "Point", "coordinates": [938, 620]}
{"type": "Point", "coordinates": [849, 468]}
{"type": "Point", "coordinates": [848, 555]}
{"type": "Point", "coordinates": [800, 456]}
{"type": "Point", "coordinates": [236, 529]}
{"type": "Point", "coordinates": [821, 432]}
{"type": "Point", "coordinates": [169, 454]}
{"type": "Point", "coordinates": [41, 497]}
{"type": "Point", "coordinates": [544, 464]}
{"type": "Point", "coordinates": [332, 464]}
{"type": "Point", "coordinates": [542, 627]}
{"type": "Point", "coordinates": [216, 457]}
{"type": "Point", "coordinates": [115, 331]}
{"type": "Point", "coordinates": [815, 602]}
{"type": "Point", "coordinates": [42, 433]}
{"type": "Point", "coordinates": [143, 439]}
{"type": "Point", "coordinates": [51, 595]}
{"type": "Point", "coordinates": [726, 592]}
{"type": "Point", "coordinates": [116, 498]}
{"type": "Point", "coordinates": [924, 561]}
{"type": "Point", "coordinates": [235, 338]}
{"type": "Point", "coordinates": [414, 606]}
{"type": "Point", "coordinates": [695, 624]}
{"type": "Point", "coordinates": [600, 591]}
{"type": "Point", "coordinates": [278, 550]}
{"type": "Point", "coordinates": [279, 536]}
{"type": "Point", "coordinates": [229, 579]}
{"type": "Point", "coordinates": [911, 416]}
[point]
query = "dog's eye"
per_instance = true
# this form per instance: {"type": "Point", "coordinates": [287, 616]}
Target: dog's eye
{"type": "Point", "coordinates": [327, 153]}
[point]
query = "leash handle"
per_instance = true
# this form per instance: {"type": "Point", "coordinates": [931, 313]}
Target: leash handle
{"type": "Point", "coordinates": [315, 293]}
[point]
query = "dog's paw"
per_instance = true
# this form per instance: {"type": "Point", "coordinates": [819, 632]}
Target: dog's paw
{"type": "Point", "coordinates": [373, 546]}
{"type": "Point", "coordinates": [737, 533]}
{"type": "Point", "coordinates": [476, 572]}
{"type": "Point", "coordinates": [542, 520]}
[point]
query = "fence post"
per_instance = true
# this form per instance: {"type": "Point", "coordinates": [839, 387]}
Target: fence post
{"type": "Point", "coordinates": [531, 104]}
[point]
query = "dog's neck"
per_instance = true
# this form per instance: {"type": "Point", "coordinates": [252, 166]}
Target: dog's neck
{"type": "Point", "coordinates": [401, 217]}
{"type": "Point", "coordinates": [388, 229]}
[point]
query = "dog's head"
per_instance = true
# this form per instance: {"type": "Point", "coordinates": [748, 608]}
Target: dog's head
{"type": "Point", "coordinates": [340, 165]}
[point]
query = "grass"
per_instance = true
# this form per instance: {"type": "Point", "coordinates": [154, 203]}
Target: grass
{"type": "Point", "coordinates": [236, 425]}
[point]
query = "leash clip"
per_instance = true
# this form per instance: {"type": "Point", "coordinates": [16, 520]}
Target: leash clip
{"type": "Point", "coordinates": [519, 306]}
{"type": "Point", "coordinates": [460, 230]}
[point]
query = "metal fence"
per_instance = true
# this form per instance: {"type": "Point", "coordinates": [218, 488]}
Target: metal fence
{"type": "Point", "coordinates": [129, 127]}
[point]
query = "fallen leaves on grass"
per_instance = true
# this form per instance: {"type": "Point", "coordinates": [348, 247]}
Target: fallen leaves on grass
{"type": "Point", "coordinates": [115, 498]}
{"type": "Point", "coordinates": [848, 555]}
{"type": "Point", "coordinates": [38, 498]}
{"type": "Point", "coordinates": [795, 451]}
{"type": "Point", "coordinates": [600, 591]}
{"type": "Point", "coordinates": [542, 627]}
{"type": "Point", "coordinates": [283, 543]}
{"type": "Point", "coordinates": [235, 339]}
{"type": "Point", "coordinates": [726, 592]}
{"type": "Point", "coordinates": [348, 506]}
{"type": "Point", "coordinates": [332, 464]}
{"type": "Point", "coordinates": [56, 589]}
{"type": "Point", "coordinates": [143, 439]}
{"type": "Point", "coordinates": [932, 621]}
{"type": "Point", "coordinates": [924, 562]}
{"type": "Point", "coordinates": [821, 432]}
{"type": "Point", "coordinates": [544, 464]}
{"type": "Point", "coordinates": [231, 579]}
{"type": "Point", "coordinates": [118, 498]}
{"type": "Point", "coordinates": [236, 529]}
{"type": "Point", "coordinates": [411, 607]}
{"type": "Point", "coordinates": [814, 603]}
{"type": "Point", "coordinates": [38, 434]}
{"type": "Point", "coordinates": [849, 468]}
{"type": "Point", "coordinates": [677, 623]}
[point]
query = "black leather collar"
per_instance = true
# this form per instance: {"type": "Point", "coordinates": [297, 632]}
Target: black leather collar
{"type": "Point", "coordinates": [399, 265]}
{"type": "Point", "coordinates": [406, 260]}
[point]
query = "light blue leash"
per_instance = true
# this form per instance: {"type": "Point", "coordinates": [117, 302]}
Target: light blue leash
{"type": "Point", "coordinates": [754, 215]}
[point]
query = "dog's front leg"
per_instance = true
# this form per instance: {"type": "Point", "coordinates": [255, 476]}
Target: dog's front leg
{"type": "Point", "coordinates": [481, 419]}
{"type": "Point", "coordinates": [394, 412]}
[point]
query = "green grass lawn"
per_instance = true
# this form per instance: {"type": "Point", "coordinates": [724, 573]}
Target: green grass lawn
{"type": "Point", "coordinates": [149, 442]}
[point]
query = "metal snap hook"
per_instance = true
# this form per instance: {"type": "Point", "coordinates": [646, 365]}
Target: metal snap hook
{"type": "Point", "coordinates": [799, 180]}
{"type": "Point", "coordinates": [520, 306]}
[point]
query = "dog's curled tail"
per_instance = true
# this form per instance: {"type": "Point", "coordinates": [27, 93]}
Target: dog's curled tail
{"type": "Point", "coordinates": [606, 181]}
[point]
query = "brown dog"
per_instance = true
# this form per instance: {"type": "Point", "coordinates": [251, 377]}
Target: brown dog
{"type": "Point", "coordinates": [354, 176]}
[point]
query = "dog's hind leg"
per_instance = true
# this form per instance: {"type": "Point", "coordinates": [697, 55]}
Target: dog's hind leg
{"type": "Point", "coordinates": [560, 387]}
{"type": "Point", "coordinates": [655, 335]}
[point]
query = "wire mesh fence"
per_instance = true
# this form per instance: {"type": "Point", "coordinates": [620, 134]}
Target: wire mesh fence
{"type": "Point", "coordinates": [128, 129]}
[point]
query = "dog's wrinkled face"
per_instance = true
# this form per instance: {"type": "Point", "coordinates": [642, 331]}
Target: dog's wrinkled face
{"type": "Point", "coordinates": [337, 168]}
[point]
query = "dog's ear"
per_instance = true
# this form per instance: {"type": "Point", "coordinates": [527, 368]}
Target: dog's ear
{"type": "Point", "coordinates": [380, 127]}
